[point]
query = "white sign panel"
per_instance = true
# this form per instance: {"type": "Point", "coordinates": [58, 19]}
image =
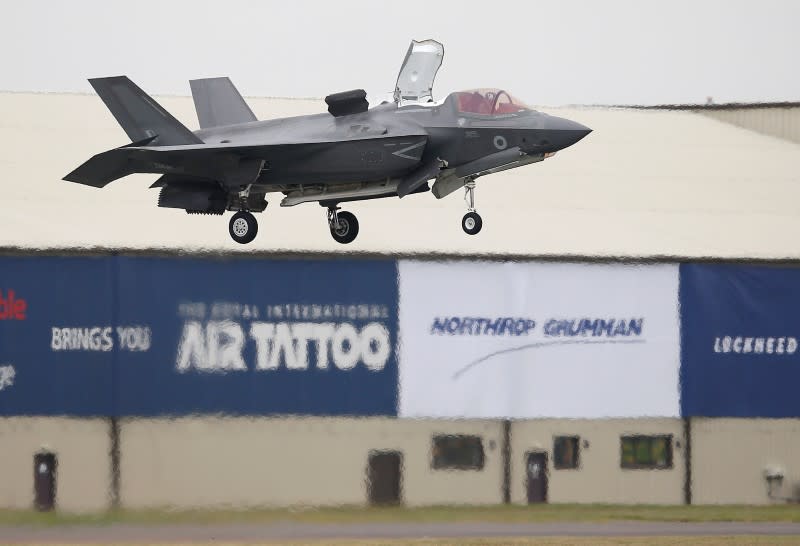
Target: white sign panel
{"type": "Point", "coordinates": [519, 340]}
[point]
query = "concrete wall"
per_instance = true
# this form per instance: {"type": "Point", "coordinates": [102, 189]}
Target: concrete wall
{"type": "Point", "coordinates": [241, 462]}
{"type": "Point", "coordinates": [729, 457]}
{"type": "Point", "coordinates": [599, 478]}
{"type": "Point", "coordinates": [83, 471]}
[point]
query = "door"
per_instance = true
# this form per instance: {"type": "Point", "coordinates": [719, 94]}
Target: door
{"type": "Point", "coordinates": [536, 474]}
{"type": "Point", "coordinates": [383, 477]}
{"type": "Point", "coordinates": [44, 480]}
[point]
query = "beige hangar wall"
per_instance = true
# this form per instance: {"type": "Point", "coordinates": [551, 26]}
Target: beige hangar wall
{"type": "Point", "coordinates": [243, 462]}
{"type": "Point", "coordinates": [83, 472]}
{"type": "Point", "coordinates": [599, 478]}
{"type": "Point", "coordinates": [729, 457]}
{"type": "Point", "coordinates": [769, 120]}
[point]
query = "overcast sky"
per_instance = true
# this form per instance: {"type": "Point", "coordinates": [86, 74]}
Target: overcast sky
{"type": "Point", "coordinates": [550, 53]}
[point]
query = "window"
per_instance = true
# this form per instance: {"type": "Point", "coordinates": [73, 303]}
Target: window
{"type": "Point", "coordinates": [565, 452]}
{"type": "Point", "coordinates": [646, 452]}
{"type": "Point", "coordinates": [457, 452]}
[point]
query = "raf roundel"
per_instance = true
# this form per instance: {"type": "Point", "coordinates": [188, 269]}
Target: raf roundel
{"type": "Point", "coordinates": [500, 142]}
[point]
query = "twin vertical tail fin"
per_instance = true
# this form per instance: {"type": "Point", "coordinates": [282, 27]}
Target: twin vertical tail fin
{"type": "Point", "coordinates": [149, 125]}
{"type": "Point", "coordinates": [142, 118]}
{"type": "Point", "coordinates": [219, 103]}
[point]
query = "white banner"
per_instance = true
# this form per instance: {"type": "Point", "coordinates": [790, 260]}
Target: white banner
{"type": "Point", "coordinates": [519, 340]}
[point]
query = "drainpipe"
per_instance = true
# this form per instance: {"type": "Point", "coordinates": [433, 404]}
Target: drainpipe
{"type": "Point", "coordinates": [687, 458]}
{"type": "Point", "coordinates": [113, 431]}
{"type": "Point", "coordinates": [506, 461]}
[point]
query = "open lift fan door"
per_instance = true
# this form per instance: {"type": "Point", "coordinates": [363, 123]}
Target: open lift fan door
{"type": "Point", "coordinates": [415, 81]}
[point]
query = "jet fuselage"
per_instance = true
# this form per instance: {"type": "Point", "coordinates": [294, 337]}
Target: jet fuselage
{"type": "Point", "coordinates": [387, 141]}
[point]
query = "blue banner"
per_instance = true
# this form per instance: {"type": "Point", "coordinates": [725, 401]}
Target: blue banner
{"type": "Point", "coordinates": [739, 341]}
{"type": "Point", "coordinates": [136, 336]}
{"type": "Point", "coordinates": [56, 336]}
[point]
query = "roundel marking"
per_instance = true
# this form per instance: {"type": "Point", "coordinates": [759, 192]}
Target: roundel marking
{"type": "Point", "coordinates": [500, 142]}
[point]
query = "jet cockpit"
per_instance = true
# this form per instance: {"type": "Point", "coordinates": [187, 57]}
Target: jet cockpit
{"type": "Point", "coordinates": [488, 102]}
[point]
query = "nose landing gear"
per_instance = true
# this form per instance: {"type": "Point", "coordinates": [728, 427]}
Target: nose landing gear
{"type": "Point", "coordinates": [472, 222]}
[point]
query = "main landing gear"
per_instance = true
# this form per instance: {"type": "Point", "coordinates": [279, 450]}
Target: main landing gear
{"type": "Point", "coordinates": [243, 227]}
{"type": "Point", "coordinates": [343, 225]}
{"type": "Point", "coordinates": [471, 223]}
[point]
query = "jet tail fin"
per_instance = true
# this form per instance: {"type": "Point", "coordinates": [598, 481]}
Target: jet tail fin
{"type": "Point", "coordinates": [140, 115]}
{"type": "Point", "coordinates": [218, 103]}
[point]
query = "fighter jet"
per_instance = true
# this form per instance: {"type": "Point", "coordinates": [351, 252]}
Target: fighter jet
{"type": "Point", "coordinates": [350, 153]}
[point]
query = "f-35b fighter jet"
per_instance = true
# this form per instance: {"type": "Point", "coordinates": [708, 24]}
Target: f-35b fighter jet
{"type": "Point", "coordinates": [350, 153]}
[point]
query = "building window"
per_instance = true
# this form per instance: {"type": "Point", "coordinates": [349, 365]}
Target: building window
{"type": "Point", "coordinates": [565, 452]}
{"type": "Point", "coordinates": [646, 451]}
{"type": "Point", "coordinates": [457, 452]}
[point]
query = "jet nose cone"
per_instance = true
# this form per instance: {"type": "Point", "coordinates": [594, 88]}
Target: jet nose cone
{"type": "Point", "coordinates": [565, 132]}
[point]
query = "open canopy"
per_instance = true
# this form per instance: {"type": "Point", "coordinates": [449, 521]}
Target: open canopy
{"type": "Point", "coordinates": [415, 81]}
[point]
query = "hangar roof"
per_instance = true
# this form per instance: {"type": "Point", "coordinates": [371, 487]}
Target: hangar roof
{"type": "Point", "coordinates": [646, 183]}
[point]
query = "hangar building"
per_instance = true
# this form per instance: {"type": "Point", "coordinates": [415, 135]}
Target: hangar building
{"type": "Point", "coordinates": [621, 331]}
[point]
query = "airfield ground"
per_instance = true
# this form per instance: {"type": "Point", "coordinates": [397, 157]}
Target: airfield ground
{"type": "Point", "coordinates": [550, 513]}
{"type": "Point", "coordinates": [515, 525]}
{"type": "Point", "coordinates": [539, 541]}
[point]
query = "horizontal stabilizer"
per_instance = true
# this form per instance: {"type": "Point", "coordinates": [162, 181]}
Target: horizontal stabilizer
{"type": "Point", "coordinates": [228, 165]}
{"type": "Point", "coordinates": [103, 168]}
{"type": "Point", "coordinates": [219, 103]}
{"type": "Point", "coordinates": [139, 114]}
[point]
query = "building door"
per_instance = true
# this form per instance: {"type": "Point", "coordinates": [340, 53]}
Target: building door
{"type": "Point", "coordinates": [536, 474]}
{"type": "Point", "coordinates": [383, 477]}
{"type": "Point", "coordinates": [44, 480]}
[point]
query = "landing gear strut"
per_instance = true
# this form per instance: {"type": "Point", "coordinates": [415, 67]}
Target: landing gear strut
{"type": "Point", "coordinates": [471, 223]}
{"type": "Point", "coordinates": [343, 225]}
{"type": "Point", "coordinates": [243, 227]}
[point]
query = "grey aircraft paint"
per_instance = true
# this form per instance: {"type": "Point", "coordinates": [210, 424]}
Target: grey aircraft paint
{"type": "Point", "coordinates": [350, 153]}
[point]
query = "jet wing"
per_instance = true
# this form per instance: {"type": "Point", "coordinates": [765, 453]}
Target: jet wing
{"type": "Point", "coordinates": [415, 81]}
{"type": "Point", "coordinates": [449, 180]}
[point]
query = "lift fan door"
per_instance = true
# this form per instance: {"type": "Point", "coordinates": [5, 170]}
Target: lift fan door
{"type": "Point", "coordinates": [415, 81]}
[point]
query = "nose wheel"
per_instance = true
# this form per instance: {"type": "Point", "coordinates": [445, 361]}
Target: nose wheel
{"type": "Point", "coordinates": [472, 222]}
{"type": "Point", "coordinates": [243, 227]}
{"type": "Point", "coordinates": [343, 225]}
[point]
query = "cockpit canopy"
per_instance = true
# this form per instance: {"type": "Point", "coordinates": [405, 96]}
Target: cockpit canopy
{"type": "Point", "coordinates": [415, 85]}
{"type": "Point", "coordinates": [488, 102]}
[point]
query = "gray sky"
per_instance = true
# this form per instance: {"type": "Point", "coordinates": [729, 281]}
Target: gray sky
{"type": "Point", "coordinates": [546, 53]}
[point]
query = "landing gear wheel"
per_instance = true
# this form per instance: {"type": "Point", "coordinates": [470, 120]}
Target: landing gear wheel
{"type": "Point", "coordinates": [347, 229]}
{"type": "Point", "coordinates": [243, 227]}
{"type": "Point", "coordinates": [471, 223]}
